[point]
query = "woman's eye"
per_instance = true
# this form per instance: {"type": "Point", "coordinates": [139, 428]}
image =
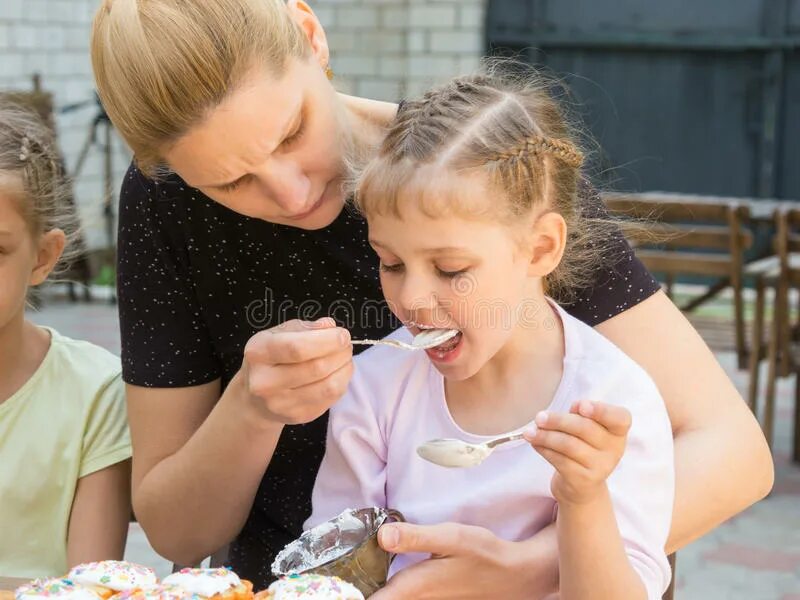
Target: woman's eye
{"type": "Point", "coordinates": [230, 187]}
{"type": "Point", "coordinates": [391, 268]}
{"type": "Point", "coordinates": [295, 137]}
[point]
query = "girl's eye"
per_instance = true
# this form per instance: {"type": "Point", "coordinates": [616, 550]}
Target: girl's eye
{"type": "Point", "coordinates": [391, 268]}
{"type": "Point", "coordinates": [450, 274]}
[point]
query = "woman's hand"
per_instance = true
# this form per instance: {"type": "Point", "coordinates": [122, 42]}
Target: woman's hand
{"type": "Point", "coordinates": [470, 563]}
{"type": "Point", "coordinates": [584, 445]}
{"type": "Point", "coordinates": [296, 371]}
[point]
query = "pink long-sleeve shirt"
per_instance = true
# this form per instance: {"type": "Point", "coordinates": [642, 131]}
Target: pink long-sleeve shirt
{"type": "Point", "coordinates": [396, 401]}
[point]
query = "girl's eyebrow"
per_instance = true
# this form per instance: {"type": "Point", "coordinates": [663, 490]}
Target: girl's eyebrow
{"type": "Point", "coordinates": [446, 249]}
{"type": "Point", "coordinates": [429, 251]}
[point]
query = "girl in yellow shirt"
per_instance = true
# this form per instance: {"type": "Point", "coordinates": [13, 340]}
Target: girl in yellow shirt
{"type": "Point", "coordinates": [64, 442]}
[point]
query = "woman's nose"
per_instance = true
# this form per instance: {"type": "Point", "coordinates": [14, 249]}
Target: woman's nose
{"type": "Point", "coordinates": [287, 186]}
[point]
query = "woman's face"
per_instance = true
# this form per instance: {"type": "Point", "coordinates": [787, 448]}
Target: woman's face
{"type": "Point", "coordinates": [272, 149]}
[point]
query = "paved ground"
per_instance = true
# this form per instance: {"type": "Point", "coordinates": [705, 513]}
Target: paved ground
{"type": "Point", "coordinates": [755, 556]}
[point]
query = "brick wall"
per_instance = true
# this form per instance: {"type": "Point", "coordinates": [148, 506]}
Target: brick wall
{"type": "Point", "coordinates": [383, 49]}
{"type": "Point", "coordinates": [51, 37]}
{"type": "Point", "coordinates": [387, 49]}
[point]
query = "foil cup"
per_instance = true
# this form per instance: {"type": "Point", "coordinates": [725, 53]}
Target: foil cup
{"type": "Point", "coordinates": [345, 547]}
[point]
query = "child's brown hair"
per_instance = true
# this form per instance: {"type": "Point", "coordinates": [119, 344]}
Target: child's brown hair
{"type": "Point", "coordinates": [31, 174]}
{"type": "Point", "coordinates": [511, 130]}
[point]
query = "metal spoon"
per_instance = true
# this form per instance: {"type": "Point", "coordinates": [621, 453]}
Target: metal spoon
{"type": "Point", "coordinates": [429, 338]}
{"type": "Point", "coordinates": [453, 453]}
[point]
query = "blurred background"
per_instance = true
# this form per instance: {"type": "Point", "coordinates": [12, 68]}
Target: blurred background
{"type": "Point", "coordinates": [698, 97]}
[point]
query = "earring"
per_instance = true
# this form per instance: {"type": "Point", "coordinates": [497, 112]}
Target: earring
{"type": "Point", "coordinates": [329, 72]}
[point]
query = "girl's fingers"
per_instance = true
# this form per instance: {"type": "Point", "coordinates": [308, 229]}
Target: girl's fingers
{"type": "Point", "coordinates": [576, 425]}
{"type": "Point", "coordinates": [562, 464]}
{"type": "Point", "coordinates": [615, 419]}
{"type": "Point", "coordinates": [573, 448]}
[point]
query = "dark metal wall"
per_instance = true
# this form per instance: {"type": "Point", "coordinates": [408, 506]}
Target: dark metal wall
{"type": "Point", "coordinates": [698, 96]}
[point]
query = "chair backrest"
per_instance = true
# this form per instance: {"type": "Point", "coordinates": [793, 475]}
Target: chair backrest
{"type": "Point", "coordinates": [688, 235]}
{"type": "Point", "coordinates": [787, 242]}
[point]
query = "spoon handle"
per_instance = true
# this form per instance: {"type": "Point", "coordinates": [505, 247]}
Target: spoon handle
{"type": "Point", "coordinates": [503, 440]}
{"type": "Point", "coordinates": [394, 343]}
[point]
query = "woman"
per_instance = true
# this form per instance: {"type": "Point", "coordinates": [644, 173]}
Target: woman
{"type": "Point", "coordinates": [228, 388]}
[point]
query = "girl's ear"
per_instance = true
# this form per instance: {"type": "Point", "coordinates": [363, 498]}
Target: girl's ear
{"type": "Point", "coordinates": [309, 23]}
{"type": "Point", "coordinates": [548, 239]}
{"type": "Point", "coordinates": [51, 246]}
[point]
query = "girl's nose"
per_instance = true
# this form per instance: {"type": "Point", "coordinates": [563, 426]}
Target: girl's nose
{"type": "Point", "coordinates": [287, 186]}
{"type": "Point", "coordinates": [417, 295]}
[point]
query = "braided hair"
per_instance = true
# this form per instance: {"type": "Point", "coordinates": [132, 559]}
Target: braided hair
{"type": "Point", "coordinates": [31, 174]}
{"type": "Point", "coordinates": [508, 129]}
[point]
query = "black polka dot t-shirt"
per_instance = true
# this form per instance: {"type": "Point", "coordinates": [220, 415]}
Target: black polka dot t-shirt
{"type": "Point", "coordinates": [197, 280]}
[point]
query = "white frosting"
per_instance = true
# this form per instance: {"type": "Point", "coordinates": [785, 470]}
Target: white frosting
{"type": "Point", "coordinates": [316, 587]}
{"type": "Point", "coordinates": [60, 589]}
{"type": "Point", "coordinates": [204, 582]}
{"type": "Point", "coordinates": [453, 453]}
{"type": "Point", "coordinates": [114, 575]}
{"type": "Point", "coordinates": [430, 338]}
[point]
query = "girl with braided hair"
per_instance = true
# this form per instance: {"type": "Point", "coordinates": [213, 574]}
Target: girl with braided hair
{"type": "Point", "coordinates": [472, 207]}
{"type": "Point", "coordinates": [64, 443]}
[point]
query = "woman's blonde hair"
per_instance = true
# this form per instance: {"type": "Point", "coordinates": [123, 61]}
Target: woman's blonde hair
{"type": "Point", "coordinates": [161, 65]}
{"type": "Point", "coordinates": [31, 174]}
{"type": "Point", "coordinates": [511, 130]}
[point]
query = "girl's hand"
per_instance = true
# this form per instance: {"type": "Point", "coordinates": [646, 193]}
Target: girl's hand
{"type": "Point", "coordinates": [583, 445]}
{"type": "Point", "coordinates": [296, 371]}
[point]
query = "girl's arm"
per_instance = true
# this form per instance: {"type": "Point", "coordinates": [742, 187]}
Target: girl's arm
{"type": "Point", "coordinates": [101, 511]}
{"type": "Point", "coordinates": [708, 415]}
{"type": "Point", "coordinates": [614, 485]}
{"type": "Point", "coordinates": [593, 562]}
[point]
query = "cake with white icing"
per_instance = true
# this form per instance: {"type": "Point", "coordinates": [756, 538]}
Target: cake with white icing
{"type": "Point", "coordinates": [218, 583]}
{"type": "Point", "coordinates": [109, 577]}
{"type": "Point", "coordinates": [55, 589]}
{"type": "Point", "coordinates": [316, 587]}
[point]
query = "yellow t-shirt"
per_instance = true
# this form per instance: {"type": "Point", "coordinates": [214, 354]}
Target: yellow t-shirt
{"type": "Point", "coordinates": [67, 421]}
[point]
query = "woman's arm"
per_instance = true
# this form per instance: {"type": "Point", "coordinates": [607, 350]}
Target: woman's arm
{"type": "Point", "coordinates": [722, 462]}
{"type": "Point", "coordinates": [101, 511]}
{"type": "Point", "coordinates": [199, 457]}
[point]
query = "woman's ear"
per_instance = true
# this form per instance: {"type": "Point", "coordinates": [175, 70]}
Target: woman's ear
{"type": "Point", "coordinates": [548, 240]}
{"type": "Point", "coordinates": [309, 23]}
{"type": "Point", "coordinates": [51, 246]}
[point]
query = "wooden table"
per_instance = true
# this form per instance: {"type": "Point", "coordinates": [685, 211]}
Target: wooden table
{"type": "Point", "coordinates": [761, 209]}
{"type": "Point", "coordinates": [9, 584]}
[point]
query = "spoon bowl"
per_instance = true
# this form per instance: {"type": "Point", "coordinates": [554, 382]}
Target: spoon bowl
{"type": "Point", "coordinates": [453, 453]}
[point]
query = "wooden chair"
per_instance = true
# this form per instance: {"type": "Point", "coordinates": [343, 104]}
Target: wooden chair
{"type": "Point", "coordinates": [697, 236]}
{"type": "Point", "coordinates": [41, 102]}
{"type": "Point", "coordinates": [782, 350]}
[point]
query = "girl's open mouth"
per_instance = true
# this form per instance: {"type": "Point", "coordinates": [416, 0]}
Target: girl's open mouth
{"type": "Point", "coordinates": [446, 351]}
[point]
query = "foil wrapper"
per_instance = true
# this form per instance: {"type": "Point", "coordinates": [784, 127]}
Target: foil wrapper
{"type": "Point", "coordinates": [346, 547]}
